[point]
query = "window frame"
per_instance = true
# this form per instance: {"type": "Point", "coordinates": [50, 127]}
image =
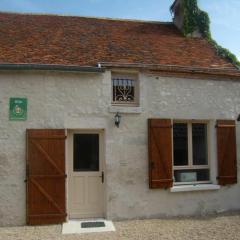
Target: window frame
{"type": "Point", "coordinates": [131, 76]}
{"type": "Point", "coordinates": [190, 165]}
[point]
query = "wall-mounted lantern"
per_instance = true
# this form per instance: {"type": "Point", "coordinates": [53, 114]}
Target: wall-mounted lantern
{"type": "Point", "coordinates": [117, 119]}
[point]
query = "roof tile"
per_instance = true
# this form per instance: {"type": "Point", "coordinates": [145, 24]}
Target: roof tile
{"type": "Point", "coordinates": [51, 39]}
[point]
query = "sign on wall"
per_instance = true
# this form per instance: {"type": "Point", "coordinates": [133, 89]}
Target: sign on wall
{"type": "Point", "coordinates": [18, 109]}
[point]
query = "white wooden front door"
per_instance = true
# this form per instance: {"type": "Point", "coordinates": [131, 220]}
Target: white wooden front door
{"type": "Point", "coordinates": [85, 174]}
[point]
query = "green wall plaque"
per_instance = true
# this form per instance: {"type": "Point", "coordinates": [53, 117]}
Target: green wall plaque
{"type": "Point", "coordinates": [18, 109]}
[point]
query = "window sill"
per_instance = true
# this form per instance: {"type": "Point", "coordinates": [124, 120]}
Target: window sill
{"type": "Point", "coordinates": [125, 109]}
{"type": "Point", "coordinates": [199, 187]}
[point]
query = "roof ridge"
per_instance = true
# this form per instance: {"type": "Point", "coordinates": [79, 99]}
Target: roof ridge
{"type": "Point", "coordinates": [91, 17]}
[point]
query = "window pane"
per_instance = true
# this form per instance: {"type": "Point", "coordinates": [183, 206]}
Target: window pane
{"type": "Point", "coordinates": [191, 175]}
{"type": "Point", "coordinates": [199, 141]}
{"type": "Point", "coordinates": [123, 90]}
{"type": "Point", "coordinates": [86, 152]}
{"type": "Point", "coordinates": [180, 144]}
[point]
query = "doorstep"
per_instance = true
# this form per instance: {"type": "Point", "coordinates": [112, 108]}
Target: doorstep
{"type": "Point", "coordinates": [87, 226]}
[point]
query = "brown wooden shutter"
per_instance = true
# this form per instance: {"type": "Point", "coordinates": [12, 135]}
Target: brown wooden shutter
{"type": "Point", "coordinates": [46, 176]}
{"type": "Point", "coordinates": [226, 151]}
{"type": "Point", "coordinates": [160, 153]}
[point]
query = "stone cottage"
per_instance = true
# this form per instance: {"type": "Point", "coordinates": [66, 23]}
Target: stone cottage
{"type": "Point", "coordinates": [114, 118]}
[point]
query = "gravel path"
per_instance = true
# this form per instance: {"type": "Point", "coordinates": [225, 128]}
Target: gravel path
{"type": "Point", "coordinates": [220, 228]}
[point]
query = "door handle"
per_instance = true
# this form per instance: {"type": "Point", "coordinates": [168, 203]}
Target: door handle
{"type": "Point", "coordinates": [102, 176]}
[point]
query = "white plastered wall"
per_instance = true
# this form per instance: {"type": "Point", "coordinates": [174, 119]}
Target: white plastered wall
{"type": "Point", "coordinates": [82, 101]}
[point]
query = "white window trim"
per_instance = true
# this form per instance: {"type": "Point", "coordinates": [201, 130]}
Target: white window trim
{"type": "Point", "coordinates": [190, 155]}
{"type": "Point", "coordinates": [133, 76]}
{"type": "Point", "coordinates": [194, 187]}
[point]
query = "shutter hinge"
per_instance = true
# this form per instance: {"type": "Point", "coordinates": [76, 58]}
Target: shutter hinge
{"type": "Point", "coordinates": [27, 173]}
{"type": "Point", "coordinates": [65, 133]}
{"type": "Point", "coordinates": [27, 170]}
{"type": "Point", "coordinates": [152, 165]}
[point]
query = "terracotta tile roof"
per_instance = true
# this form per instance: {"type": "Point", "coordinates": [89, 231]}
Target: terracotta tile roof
{"type": "Point", "coordinates": [66, 40]}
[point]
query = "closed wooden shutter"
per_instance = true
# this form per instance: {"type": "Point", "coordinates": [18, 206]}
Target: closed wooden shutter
{"type": "Point", "coordinates": [46, 176]}
{"type": "Point", "coordinates": [226, 151]}
{"type": "Point", "coordinates": [160, 153]}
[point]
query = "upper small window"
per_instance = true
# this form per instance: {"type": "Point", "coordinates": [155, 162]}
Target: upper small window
{"type": "Point", "coordinates": [124, 89]}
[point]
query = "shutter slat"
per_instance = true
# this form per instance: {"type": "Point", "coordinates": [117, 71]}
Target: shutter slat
{"type": "Point", "coordinates": [162, 181]}
{"type": "Point", "coordinates": [227, 152]}
{"type": "Point", "coordinates": [160, 153]}
{"type": "Point", "coordinates": [226, 177]}
{"type": "Point", "coordinates": [227, 126]}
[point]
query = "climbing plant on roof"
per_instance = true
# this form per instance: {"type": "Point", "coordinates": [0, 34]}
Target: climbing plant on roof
{"type": "Point", "coordinates": [194, 19]}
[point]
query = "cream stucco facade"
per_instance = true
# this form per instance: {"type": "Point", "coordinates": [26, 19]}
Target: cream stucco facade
{"type": "Point", "coordinates": [83, 101]}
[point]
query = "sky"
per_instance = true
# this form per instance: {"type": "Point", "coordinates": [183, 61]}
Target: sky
{"type": "Point", "coordinates": [224, 14]}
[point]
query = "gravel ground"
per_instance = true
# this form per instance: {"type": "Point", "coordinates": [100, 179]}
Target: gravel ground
{"type": "Point", "coordinates": [220, 228]}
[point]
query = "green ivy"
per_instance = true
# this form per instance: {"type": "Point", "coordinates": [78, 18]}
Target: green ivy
{"type": "Point", "coordinates": [197, 20]}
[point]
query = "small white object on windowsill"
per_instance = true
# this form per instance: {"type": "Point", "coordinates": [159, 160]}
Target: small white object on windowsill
{"type": "Point", "coordinates": [195, 187]}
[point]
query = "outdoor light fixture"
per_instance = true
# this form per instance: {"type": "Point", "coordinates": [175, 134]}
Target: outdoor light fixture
{"type": "Point", "coordinates": [238, 119]}
{"type": "Point", "coordinates": [117, 119]}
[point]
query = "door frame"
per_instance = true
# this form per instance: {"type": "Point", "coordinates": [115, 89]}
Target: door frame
{"type": "Point", "coordinates": [69, 133]}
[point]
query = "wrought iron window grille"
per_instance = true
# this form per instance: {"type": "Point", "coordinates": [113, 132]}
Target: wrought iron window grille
{"type": "Point", "coordinates": [124, 90]}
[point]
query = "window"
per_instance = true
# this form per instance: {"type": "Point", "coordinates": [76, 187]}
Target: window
{"type": "Point", "coordinates": [190, 152]}
{"type": "Point", "coordinates": [124, 89]}
{"type": "Point", "coordinates": [86, 153]}
{"type": "Point", "coordinates": [179, 154]}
